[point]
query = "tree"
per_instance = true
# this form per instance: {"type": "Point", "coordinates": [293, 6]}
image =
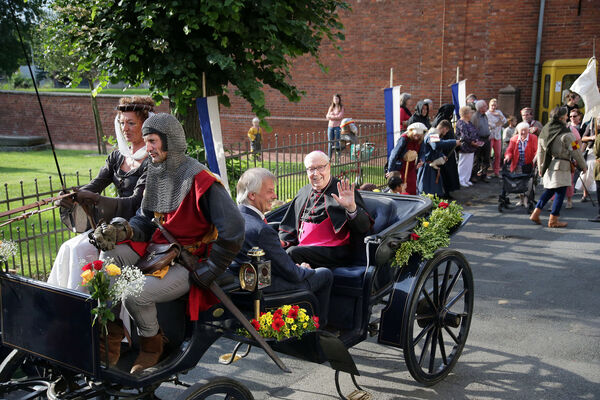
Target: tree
{"type": "Point", "coordinates": [172, 45]}
{"type": "Point", "coordinates": [65, 58]}
{"type": "Point", "coordinates": [27, 14]}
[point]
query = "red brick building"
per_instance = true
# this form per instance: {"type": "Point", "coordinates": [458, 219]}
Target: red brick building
{"type": "Point", "coordinates": [492, 43]}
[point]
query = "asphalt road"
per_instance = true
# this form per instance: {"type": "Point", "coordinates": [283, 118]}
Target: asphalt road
{"type": "Point", "coordinates": [535, 332]}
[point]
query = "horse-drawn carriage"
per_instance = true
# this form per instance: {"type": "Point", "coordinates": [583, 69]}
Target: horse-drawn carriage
{"type": "Point", "coordinates": [427, 308]}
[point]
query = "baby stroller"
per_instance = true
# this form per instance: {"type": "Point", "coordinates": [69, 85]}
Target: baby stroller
{"type": "Point", "coordinates": [521, 183]}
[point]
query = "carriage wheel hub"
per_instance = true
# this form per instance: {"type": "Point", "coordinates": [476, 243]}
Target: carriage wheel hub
{"type": "Point", "coordinates": [448, 318]}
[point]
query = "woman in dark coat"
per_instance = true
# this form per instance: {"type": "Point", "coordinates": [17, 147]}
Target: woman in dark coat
{"type": "Point", "coordinates": [448, 171]}
{"type": "Point", "coordinates": [433, 156]}
{"type": "Point", "coordinates": [421, 115]}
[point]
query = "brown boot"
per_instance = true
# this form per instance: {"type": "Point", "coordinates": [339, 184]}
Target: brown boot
{"type": "Point", "coordinates": [151, 348]}
{"type": "Point", "coordinates": [535, 216]}
{"type": "Point", "coordinates": [553, 222]}
{"type": "Point", "coordinates": [116, 333]}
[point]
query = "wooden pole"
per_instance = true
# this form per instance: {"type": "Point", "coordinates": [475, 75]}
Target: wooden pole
{"type": "Point", "coordinates": [203, 84]}
{"type": "Point", "coordinates": [392, 77]}
{"type": "Point", "coordinates": [457, 74]}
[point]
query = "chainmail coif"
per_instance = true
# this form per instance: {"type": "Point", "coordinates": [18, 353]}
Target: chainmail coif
{"type": "Point", "coordinates": [169, 181]}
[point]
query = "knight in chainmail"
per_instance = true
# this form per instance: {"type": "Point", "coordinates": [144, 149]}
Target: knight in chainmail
{"type": "Point", "coordinates": [196, 209]}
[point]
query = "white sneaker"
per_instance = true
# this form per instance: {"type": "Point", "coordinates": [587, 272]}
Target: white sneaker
{"type": "Point", "coordinates": [519, 203]}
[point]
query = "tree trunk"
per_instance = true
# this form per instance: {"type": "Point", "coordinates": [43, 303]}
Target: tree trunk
{"type": "Point", "coordinates": [190, 122]}
{"type": "Point", "coordinates": [97, 122]}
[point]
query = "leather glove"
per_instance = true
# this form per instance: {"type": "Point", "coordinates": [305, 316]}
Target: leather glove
{"type": "Point", "coordinates": [85, 196]}
{"type": "Point", "coordinates": [106, 236]}
{"type": "Point", "coordinates": [206, 274]}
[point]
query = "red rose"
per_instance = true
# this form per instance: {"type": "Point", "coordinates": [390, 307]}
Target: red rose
{"type": "Point", "coordinates": [277, 324]}
{"type": "Point", "coordinates": [98, 264]}
{"type": "Point", "coordinates": [414, 236]}
{"type": "Point", "coordinates": [278, 313]}
{"type": "Point", "coordinates": [293, 313]}
{"type": "Point", "coordinates": [255, 324]}
{"type": "Point", "coordinates": [87, 267]}
{"type": "Point", "coordinates": [316, 321]}
{"type": "Point", "coordinates": [443, 204]}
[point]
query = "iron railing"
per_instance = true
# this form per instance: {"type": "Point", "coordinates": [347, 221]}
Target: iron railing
{"type": "Point", "coordinates": [39, 237]}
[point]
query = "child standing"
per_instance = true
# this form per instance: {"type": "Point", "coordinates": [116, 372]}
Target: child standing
{"type": "Point", "coordinates": [508, 132]}
{"type": "Point", "coordinates": [255, 136]}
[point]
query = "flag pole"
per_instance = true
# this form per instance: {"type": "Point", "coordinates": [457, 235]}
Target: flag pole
{"type": "Point", "coordinates": [392, 77]}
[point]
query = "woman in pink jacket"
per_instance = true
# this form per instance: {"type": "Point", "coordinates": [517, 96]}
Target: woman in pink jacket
{"type": "Point", "coordinates": [334, 115]}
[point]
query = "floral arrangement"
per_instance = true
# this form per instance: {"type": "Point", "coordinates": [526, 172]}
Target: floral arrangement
{"type": "Point", "coordinates": [8, 248]}
{"type": "Point", "coordinates": [284, 323]}
{"type": "Point", "coordinates": [97, 278]}
{"type": "Point", "coordinates": [430, 233]}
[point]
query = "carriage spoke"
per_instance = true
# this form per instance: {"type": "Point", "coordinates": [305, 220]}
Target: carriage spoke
{"type": "Point", "coordinates": [423, 332]}
{"type": "Point", "coordinates": [452, 335]}
{"type": "Point", "coordinates": [433, 347]}
{"type": "Point", "coordinates": [442, 348]}
{"type": "Point", "coordinates": [456, 298]}
{"type": "Point", "coordinates": [436, 293]}
{"type": "Point", "coordinates": [452, 284]}
{"type": "Point", "coordinates": [424, 351]}
{"type": "Point", "coordinates": [428, 298]}
{"type": "Point", "coordinates": [445, 282]}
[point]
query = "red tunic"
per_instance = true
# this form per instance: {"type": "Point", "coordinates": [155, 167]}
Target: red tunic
{"type": "Point", "coordinates": [189, 226]}
{"type": "Point", "coordinates": [410, 176]}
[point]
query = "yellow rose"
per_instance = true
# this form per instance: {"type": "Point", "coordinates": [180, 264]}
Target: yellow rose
{"type": "Point", "coordinates": [87, 276]}
{"type": "Point", "coordinates": [113, 270]}
{"type": "Point", "coordinates": [425, 224]}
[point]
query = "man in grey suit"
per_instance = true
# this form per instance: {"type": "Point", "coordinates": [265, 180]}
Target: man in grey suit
{"type": "Point", "coordinates": [255, 195]}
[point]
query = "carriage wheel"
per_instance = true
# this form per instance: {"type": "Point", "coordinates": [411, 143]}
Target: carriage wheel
{"type": "Point", "coordinates": [438, 317]}
{"type": "Point", "coordinates": [217, 388]}
{"type": "Point", "coordinates": [11, 365]}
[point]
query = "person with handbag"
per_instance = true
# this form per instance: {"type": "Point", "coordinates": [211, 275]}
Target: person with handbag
{"type": "Point", "coordinates": [556, 147]}
{"type": "Point", "coordinates": [196, 209]}
{"type": "Point", "coordinates": [125, 168]}
{"type": "Point", "coordinates": [432, 155]}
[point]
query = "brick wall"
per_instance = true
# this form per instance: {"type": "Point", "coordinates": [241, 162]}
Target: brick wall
{"type": "Point", "coordinates": [493, 44]}
{"type": "Point", "coordinates": [70, 118]}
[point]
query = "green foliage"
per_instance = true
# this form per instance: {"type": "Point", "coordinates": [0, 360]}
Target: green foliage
{"type": "Point", "coordinates": [245, 43]}
{"type": "Point", "coordinates": [431, 233]}
{"type": "Point", "coordinates": [18, 81]}
{"type": "Point", "coordinates": [27, 13]}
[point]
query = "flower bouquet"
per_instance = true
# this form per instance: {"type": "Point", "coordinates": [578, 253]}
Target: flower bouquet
{"type": "Point", "coordinates": [8, 249]}
{"type": "Point", "coordinates": [284, 323]}
{"type": "Point", "coordinates": [109, 284]}
{"type": "Point", "coordinates": [430, 233]}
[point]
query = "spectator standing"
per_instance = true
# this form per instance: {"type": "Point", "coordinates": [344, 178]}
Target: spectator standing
{"type": "Point", "coordinates": [470, 101]}
{"type": "Point", "coordinates": [596, 151]}
{"type": "Point", "coordinates": [481, 161]}
{"type": "Point", "coordinates": [335, 114]}
{"type": "Point", "coordinates": [467, 134]}
{"type": "Point", "coordinates": [556, 147]}
{"type": "Point", "coordinates": [405, 106]}
{"type": "Point", "coordinates": [572, 101]}
{"type": "Point", "coordinates": [421, 115]}
{"type": "Point", "coordinates": [433, 150]}
{"type": "Point", "coordinates": [588, 139]}
{"type": "Point", "coordinates": [255, 136]}
{"type": "Point", "coordinates": [429, 103]}
{"type": "Point", "coordinates": [449, 171]}
{"type": "Point", "coordinates": [404, 160]}
{"type": "Point", "coordinates": [534, 126]}
{"type": "Point", "coordinates": [496, 120]}
{"type": "Point", "coordinates": [509, 131]}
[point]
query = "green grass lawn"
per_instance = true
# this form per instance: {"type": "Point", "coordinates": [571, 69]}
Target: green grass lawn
{"type": "Point", "coordinates": [127, 91]}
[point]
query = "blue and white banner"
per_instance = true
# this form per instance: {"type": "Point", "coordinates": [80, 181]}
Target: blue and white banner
{"type": "Point", "coordinates": [392, 116]}
{"type": "Point", "coordinates": [210, 123]}
{"type": "Point", "coordinates": [459, 95]}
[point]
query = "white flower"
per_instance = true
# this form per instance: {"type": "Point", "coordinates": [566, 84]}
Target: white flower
{"type": "Point", "coordinates": [129, 284]}
{"type": "Point", "coordinates": [8, 248]}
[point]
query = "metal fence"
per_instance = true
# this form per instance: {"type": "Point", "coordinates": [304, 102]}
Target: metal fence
{"type": "Point", "coordinates": [39, 237]}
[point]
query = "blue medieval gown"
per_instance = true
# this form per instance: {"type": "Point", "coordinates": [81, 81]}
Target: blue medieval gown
{"type": "Point", "coordinates": [429, 179]}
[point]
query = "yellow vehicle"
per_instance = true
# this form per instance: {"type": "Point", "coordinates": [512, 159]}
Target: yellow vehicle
{"type": "Point", "coordinates": [557, 78]}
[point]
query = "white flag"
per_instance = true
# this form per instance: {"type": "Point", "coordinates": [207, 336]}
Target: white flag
{"type": "Point", "coordinates": [586, 86]}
